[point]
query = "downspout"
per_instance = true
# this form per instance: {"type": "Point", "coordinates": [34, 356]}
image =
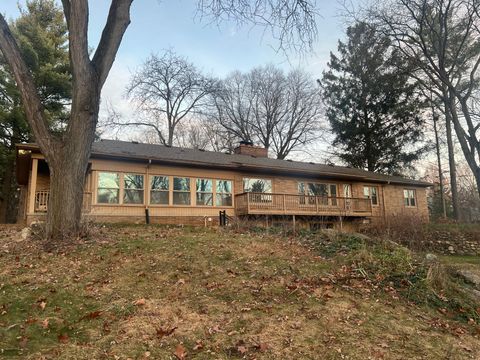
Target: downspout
{"type": "Point", "coordinates": [147, 192]}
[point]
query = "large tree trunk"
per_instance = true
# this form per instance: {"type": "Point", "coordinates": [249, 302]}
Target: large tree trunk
{"type": "Point", "coordinates": [7, 191]}
{"type": "Point", "coordinates": [67, 178]}
{"type": "Point", "coordinates": [449, 108]}
{"type": "Point", "coordinates": [439, 163]}
{"type": "Point", "coordinates": [68, 165]}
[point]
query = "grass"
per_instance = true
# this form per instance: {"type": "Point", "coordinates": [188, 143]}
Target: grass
{"type": "Point", "coordinates": [144, 292]}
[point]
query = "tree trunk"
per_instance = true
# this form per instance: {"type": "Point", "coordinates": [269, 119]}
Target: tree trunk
{"type": "Point", "coordinates": [67, 180]}
{"type": "Point", "coordinates": [68, 168]}
{"type": "Point", "coordinates": [439, 162]}
{"type": "Point", "coordinates": [451, 155]}
{"type": "Point", "coordinates": [7, 189]}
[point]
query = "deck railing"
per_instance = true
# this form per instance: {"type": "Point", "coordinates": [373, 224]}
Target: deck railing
{"type": "Point", "coordinates": [42, 197]}
{"type": "Point", "coordinates": [295, 204]}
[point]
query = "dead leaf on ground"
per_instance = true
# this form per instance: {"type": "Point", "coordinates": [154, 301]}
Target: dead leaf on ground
{"type": "Point", "coordinates": [45, 324]}
{"type": "Point", "coordinates": [161, 332]}
{"type": "Point", "coordinates": [42, 305]}
{"type": "Point", "coordinates": [63, 338]}
{"type": "Point", "coordinates": [180, 352]}
{"type": "Point", "coordinates": [92, 315]}
{"type": "Point", "coordinates": [198, 345]}
{"type": "Point", "coordinates": [139, 302]}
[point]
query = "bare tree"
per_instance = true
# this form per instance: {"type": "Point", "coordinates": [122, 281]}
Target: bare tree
{"type": "Point", "coordinates": [442, 38]}
{"type": "Point", "coordinates": [301, 124]}
{"type": "Point", "coordinates": [68, 154]}
{"type": "Point", "coordinates": [167, 90]}
{"type": "Point", "coordinates": [281, 112]}
{"type": "Point", "coordinates": [233, 106]}
{"type": "Point", "coordinates": [205, 135]}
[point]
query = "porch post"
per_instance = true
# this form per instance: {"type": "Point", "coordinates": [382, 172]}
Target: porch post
{"type": "Point", "coordinates": [33, 187]}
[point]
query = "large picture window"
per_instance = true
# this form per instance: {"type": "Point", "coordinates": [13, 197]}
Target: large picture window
{"type": "Point", "coordinates": [159, 190]}
{"type": "Point", "coordinates": [370, 192]}
{"type": "Point", "coordinates": [257, 185]}
{"type": "Point", "coordinates": [224, 193]}
{"type": "Point", "coordinates": [181, 191]}
{"type": "Point", "coordinates": [132, 189]}
{"type": "Point", "coordinates": [409, 196]}
{"type": "Point", "coordinates": [204, 189]}
{"type": "Point", "coordinates": [108, 190]}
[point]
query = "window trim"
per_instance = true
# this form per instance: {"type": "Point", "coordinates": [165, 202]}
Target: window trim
{"type": "Point", "coordinates": [370, 187]}
{"type": "Point", "coordinates": [216, 193]}
{"type": "Point", "coordinates": [124, 188]}
{"type": "Point", "coordinates": [147, 178]}
{"type": "Point", "coordinates": [97, 187]}
{"type": "Point", "coordinates": [213, 182]}
{"type": "Point", "coordinates": [168, 191]}
{"type": "Point", "coordinates": [189, 191]}
{"type": "Point", "coordinates": [408, 190]}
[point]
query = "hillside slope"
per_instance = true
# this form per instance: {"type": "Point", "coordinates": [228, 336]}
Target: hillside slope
{"type": "Point", "coordinates": [153, 292]}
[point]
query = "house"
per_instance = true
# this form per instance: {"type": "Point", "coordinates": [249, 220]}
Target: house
{"type": "Point", "coordinates": [127, 180]}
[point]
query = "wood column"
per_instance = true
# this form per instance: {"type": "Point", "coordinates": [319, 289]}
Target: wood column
{"type": "Point", "coordinates": [33, 187]}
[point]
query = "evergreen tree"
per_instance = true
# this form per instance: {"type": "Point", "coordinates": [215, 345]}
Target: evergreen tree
{"type": "Point", "coordinates": [372, 106]}
{"type": "Point", "coordinates": [41, 33]}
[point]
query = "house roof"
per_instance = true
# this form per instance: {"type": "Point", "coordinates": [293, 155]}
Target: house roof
{"type": "Point", "coordinates": [200, 158]}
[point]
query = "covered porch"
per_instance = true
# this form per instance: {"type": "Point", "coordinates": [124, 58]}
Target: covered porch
{"type": "Point", "coordinates": [294, 204]}
{"type": "Point", "coordinates": [37, 181]}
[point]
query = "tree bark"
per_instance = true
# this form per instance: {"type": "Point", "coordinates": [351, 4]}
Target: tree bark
{"type": "Point", "coordinates": [451, 156]}
{"type": "Point", "coordinates": [7, 188]}
{"type": "Point", "coordinates": [439, 163]}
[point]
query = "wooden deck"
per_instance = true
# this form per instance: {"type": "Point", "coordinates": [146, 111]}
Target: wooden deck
{"type": "Point", "coordinates": [294, 204]}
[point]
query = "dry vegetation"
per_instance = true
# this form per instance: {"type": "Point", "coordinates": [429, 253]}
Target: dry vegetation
{"type": "Point", "coordinates": [169, 293]}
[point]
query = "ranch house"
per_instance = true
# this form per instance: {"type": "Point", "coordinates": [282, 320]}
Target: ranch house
{"type": "Point", "coordinates": [135, 182]}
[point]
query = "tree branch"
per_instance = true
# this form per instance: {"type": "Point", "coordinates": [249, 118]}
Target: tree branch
{"type": "Point", "coordinates": [28, 91]}
{"type": "Point", "coordinates": [117, 23]}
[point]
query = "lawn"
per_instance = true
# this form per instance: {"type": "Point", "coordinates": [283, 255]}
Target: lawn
{"type": "Point", "coordinates": [179, 293]}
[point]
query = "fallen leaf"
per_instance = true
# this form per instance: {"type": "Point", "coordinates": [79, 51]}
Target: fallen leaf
{"type": "Point", "coordinates": [180, 352]}
{"type": "Point", "coordinates": [198, 346]}
{"type": "Point", "coordinates": [161, 332]}
{"type": "Point", "coordinates": [92, 315]}
{"type": "Point", "coordinates": [242, 349]}
{"type": "Point", "coordinates": [45, 324]}
{"type": "Point", "coordinates": [63, 338]}
{"type": "Point", "coordinates": [263, 347]}
{"type": "Point", "coordinates": [139, 302]}
{"type": "Point", "coordinates": [42, 305]}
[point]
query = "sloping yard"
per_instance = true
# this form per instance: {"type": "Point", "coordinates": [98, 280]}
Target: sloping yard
{"type": "Point", "coordinates": [169, 293]}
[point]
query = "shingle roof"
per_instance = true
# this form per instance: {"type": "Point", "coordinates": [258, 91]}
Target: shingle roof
{"type": "Point", "coordinates": [192, 157]}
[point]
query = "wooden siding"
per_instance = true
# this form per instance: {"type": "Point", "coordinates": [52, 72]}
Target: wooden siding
{"type": "Point", "coordinates": [390, 197]}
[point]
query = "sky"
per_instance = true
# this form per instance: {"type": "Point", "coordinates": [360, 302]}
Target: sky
{"type": "Point", "coordinates": [217, 50]}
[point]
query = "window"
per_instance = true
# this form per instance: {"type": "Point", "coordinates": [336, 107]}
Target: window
{"type": "Point", "coordinates": [317, 189]}
{"type": "Point", "coordinates": [204, 192]}
{"type": "Point", "coordinates": [181, 191]}
{"type": "Point", "coordinates": [370, 192]}
{"type": "Point", "coordinates": [133, 189]}
{"type": "Point", "coordinates": [108, 191]}
{"type": "Point", "coordinates": [409, 197]}
{"type": "Point", "coordinates": [224, 193]}
{"type": "Point", "coordinates": [257, 185]}
{"type": "Point", "coordinates": [159, 190]}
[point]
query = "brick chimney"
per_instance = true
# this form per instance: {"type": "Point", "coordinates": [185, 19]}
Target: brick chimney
{"type": "Point", "coordinates": [247, 148]}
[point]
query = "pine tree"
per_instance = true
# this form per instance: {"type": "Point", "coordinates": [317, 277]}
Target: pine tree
{"type": "Point", "coordinates": [371, 104]}
{"type": "Point", "coordinates": [41, 33]}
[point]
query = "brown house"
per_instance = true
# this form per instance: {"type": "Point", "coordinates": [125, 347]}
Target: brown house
{"type": "Point", "coordinates": [127, 180]}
